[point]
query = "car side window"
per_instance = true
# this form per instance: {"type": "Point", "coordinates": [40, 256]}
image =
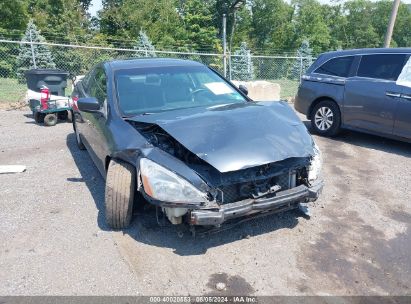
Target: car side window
{"type": "Point", "coordinates": [339, 66]}
{"type": "Point", "coordinates": [85, 82]}
{"type": "Point", "coordinates": [98, 85]}
{"type": "Point", "coordinates": [381, 66]}
{"type": "Point", "coordinates": [404, 78]}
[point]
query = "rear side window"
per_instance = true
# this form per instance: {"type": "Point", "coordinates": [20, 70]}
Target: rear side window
{"type": "Point", "coordinates": [384, 66]}
{"type": "Point", "coordinates": [336, 67]}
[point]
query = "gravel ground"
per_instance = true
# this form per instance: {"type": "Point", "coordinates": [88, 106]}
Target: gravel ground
{"type": "Point", "coordinates": [54, 240]}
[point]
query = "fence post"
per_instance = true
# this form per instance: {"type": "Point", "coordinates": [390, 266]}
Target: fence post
{"type": "Point", "coordinates": [225, 44]}
{"type": "Point", "coordinates": [230, 65]}
{"type": "Point", "coordinates": [301, 67]}
{"type": "Point", "coordinates": [32, 51]}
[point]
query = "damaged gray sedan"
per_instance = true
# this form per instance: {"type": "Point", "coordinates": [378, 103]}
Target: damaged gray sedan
{"type": "Point", "coordinates": [176, 134]}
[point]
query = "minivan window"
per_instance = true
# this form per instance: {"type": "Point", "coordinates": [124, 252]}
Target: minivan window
{"type": "Point", "coordinates": [339, 66]}
{"type": "Point", "coordinates": [405, 76]}
{"type": "Point", "coordinates": [381, 66]}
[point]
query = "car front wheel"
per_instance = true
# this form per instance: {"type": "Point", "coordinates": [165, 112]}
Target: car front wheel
{"type": "Point", "coordinates": [326, 118]}
{"type": "Point", "coordinates": [79, 141]}
{"type": "Point", "coordinates": [119, 197]}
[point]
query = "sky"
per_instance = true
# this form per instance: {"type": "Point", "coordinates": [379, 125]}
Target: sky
{"type": "Point", "coordinates": [96, 5]}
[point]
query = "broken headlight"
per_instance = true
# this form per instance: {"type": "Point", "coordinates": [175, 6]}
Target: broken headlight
{"type": "Point", "coordinates": [164, 185]}
{"type": "Point", "coordinates": [316, 163]}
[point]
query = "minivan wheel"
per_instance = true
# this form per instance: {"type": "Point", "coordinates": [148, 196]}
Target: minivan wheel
{"type": "Point", "coordinates": [326, 118]}
{"type": "Point", "coordinates": [119, 197]}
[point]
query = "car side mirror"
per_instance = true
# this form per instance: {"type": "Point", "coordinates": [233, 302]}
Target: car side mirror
{"type": "Point", "coordinates": [243, 89]}
{"type": "Point", "coordinates": [88, 104]}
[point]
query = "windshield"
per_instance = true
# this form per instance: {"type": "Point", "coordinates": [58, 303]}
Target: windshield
{"type": "Point", "coordinates": [152, 90]}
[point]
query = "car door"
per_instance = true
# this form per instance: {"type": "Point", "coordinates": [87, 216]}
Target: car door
{"type": "Point", "coordinates": [402, 124]}
{"type": "Point", "coordinates": [96, 122]}
{"type": "Point", "coordinates": [371, 97]}
{"type": "Point", "coordinates": [82, 121]}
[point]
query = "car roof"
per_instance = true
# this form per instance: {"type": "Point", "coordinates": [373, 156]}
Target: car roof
{"type": "Point", "coordinates": [324, 57]}
{"type": "Point", "coordinates": [134, 63]}
{"type": "Point", "coordinates": [367, 51]}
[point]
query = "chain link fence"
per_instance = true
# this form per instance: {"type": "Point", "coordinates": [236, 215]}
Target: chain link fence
{"type": "Point", "coordinates": [78, 59]}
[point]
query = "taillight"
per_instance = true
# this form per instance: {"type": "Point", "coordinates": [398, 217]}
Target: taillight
{"type": "Point", "coordinates": [44, 97]}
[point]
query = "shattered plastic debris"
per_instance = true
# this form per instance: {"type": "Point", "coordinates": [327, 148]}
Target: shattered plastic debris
{"type": "Point", "coordinates": [304, 209]}
{"type": "Point", "coordinates": [220, 286]}
{"type": "Point", "coordinates": [12, 169]}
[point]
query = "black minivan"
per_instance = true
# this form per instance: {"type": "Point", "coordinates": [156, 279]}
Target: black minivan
{"type": "Point", "coordinates": [367, 90]}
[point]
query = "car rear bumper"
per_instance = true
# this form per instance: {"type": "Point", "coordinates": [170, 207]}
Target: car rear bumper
{"type": "Point", "coordinates": [283, 200]}
{"type": "Point", "coordinates": [301, 105]}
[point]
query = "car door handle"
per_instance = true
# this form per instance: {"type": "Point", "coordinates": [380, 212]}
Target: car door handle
{"type": "Point", "coordinates": [405, 96]}
{"type": "Point", "coordinates": [392, 94]}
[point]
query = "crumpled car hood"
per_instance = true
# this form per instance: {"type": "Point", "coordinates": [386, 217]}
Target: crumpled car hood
{"type": "Point", "coordinates": [237, 136]}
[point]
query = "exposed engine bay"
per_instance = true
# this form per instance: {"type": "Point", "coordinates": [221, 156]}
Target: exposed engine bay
{"type": "Point", "coordinates": [249, 183]}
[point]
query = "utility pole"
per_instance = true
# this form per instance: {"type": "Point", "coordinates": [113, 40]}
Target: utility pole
{"type": "Point", "coordinates": [391, 23]}
{"type": "Point", "coordinates": [225, 44]}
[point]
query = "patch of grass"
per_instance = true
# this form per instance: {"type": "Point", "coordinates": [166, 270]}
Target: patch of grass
{"type": "Point", "coordinates": [288, 87]}
{"type": "Point", "coordinates": [11, 90]}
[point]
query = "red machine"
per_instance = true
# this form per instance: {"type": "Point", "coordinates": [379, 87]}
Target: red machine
{"type": "Point", "coordinates": [44, 98]}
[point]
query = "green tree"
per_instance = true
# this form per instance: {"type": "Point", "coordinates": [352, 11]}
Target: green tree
{"type": "Point", "coordinates": [271, 24]}
{"type": "Point", "coordinates": [61, 20]}
{"type": "Point", "coordinates": [242, 64]}
{"type": "Point", "coordinates": [144, 46]}
{"type": "Point", "coordinates": [402, 33]}
{"type": "Point", "coordinates": [123, 20]}
{"type": "Point", "coordinates": [13, 19]}
{"type": "Point", "coordinates": [197, 18]}
{"type": "Point", "coordinates": [7, 60]}
{"type": "Point", "coordinates": [85, 4]}
{"type": "Point", "coordinates": [13, 14]}
{"type": "Point", "coordinates": [360, 31]}
{"type": "Point", "coordinates": [237, 19]}
{"type": "Point", "coordinates": [65, 21]}
{"type": "Point", "coordinates": [111, 18]}
{"type": "Point", "coordinates": [336, 21]}
{"type": "Point", "coordinates": [303, 61]}
{"type": "Point", "coordinates": [42, 54]}
{"type": "Point", "coordinates": [309, 24]}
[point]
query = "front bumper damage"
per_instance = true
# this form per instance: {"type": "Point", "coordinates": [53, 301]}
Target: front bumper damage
{"type": "Point", "coordinates": [282, 201]}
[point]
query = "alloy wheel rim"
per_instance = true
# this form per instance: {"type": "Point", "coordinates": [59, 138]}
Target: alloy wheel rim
{"type": "Point", "coordinates": [324, 118]}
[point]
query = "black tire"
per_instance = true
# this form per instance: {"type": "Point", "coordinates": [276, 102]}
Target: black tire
{"type": "Point", "coordinates": [79, 142]}
{"type": "Point", "coordinates": [50, 120]}
{"type": "Point", "coordinates": [119, 196]}
{"type": "Point", "coordinates": [38, 117]}
{"type": "Point", "coordinates": [326, 118]}
{"type": "Point", "coordinates": [62, 115]}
